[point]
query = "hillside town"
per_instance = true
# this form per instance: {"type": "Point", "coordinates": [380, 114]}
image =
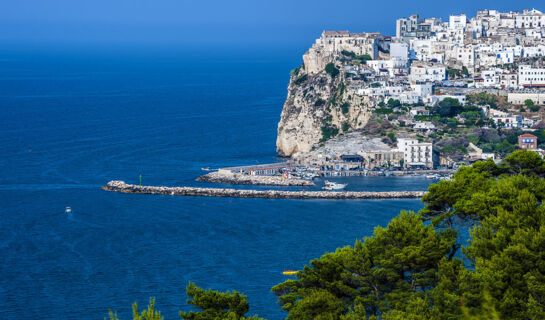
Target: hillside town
{"type": "Point", "coordinates": [439, 94]}
{"type": "Point", "coordinates": [436, 96]}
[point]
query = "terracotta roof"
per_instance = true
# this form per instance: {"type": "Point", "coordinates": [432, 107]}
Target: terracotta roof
{"type": "Point", "coordinates": [527, 135]}
{"type": "Point", "coordinates": [336, 33]}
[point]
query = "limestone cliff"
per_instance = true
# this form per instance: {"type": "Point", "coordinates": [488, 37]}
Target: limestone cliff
{"type": "Point", "coordinates": [319, 106]}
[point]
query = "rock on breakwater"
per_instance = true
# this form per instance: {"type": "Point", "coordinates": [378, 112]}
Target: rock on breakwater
{"type": "Point", "coordinates": [121, 186]}
{"type": "Point", "coordinates": [237, 178]}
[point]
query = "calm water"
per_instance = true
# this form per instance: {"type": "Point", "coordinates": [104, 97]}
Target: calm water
{"type": "Point", "coordinates": [73, 121]}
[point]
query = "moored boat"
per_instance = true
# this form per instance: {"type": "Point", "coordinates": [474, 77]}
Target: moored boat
{"type": "Point", "coordinates": [334, 186]}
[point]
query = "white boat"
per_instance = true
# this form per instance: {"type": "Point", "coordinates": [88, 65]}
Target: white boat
{"type": "Point", "coordinates": [68, 210]}
{"type": "Point", "coordinates": [205, 168]}
{"type": "Point", "coordinates": [432, 177]}
{"type": "Point", "coordinates": [334, 186]}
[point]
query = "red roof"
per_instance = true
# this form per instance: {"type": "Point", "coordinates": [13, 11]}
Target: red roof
{"type": "Point", "coordinates": [527, 135]}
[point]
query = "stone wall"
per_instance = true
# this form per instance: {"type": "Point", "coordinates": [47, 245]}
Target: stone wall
{"type": "Point", "coordinates": [121, 186]}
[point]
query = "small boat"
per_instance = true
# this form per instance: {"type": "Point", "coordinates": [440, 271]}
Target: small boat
{"type": "Point", "coordinates": [334, 186]}
{"type": "Point", "coordinates": [205, 168]}
{"type": "Point", "coordinates": [289, 272]}
{"type": "Point", "coordinates": [432, 177]}
{"type": "Point", "coordinates": [68, 210]}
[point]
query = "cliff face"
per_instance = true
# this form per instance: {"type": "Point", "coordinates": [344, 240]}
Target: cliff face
{"type": "Point", "coordinates": [319, 106]}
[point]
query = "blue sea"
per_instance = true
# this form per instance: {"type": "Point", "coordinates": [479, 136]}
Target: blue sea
{"type": "Point", "coordinates": [71, 120]}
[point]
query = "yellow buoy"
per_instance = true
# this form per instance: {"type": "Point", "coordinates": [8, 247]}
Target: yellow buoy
{"type": "Point", "coordinates": [289, 272]}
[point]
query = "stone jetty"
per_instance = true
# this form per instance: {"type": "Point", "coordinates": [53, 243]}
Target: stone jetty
{"type": "Point", "coordinates": [121, 186]}
{"type": "Point", "coordinates": [238, 178]}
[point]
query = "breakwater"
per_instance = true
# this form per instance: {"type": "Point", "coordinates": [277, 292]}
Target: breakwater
{"type": "Point", "coordinates": [121, 186]}
{"type": "Point", "coordinates": [237, 178]}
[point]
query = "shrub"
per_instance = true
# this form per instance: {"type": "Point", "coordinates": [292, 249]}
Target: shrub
{"type": "Point", "coordinates": [328, 132]}
{"type": "Point", "coordinates": [348, 53]}
{"type": "Point", "coordinates": [319, 102]}
{"type": "Point", "coordinates": [392, 136]}
{"type": "Point", "coordinates": [393, 103]}
{"type": "Point", "coordinates": [332, 70]}
{"type": "Point", "coordinates": [301, 79]}
{"type": "Point", "coordinates": [383, 111]}
{"type": "Point", "coordinates": [344, 107]}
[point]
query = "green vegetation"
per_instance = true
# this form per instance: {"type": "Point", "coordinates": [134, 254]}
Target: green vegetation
{"type": "Point", "coordinates": [415, 270]}
{"type": "Point", "coordinates": [358, 58]}
{"type": "Point", "coordinates": [454, 73]}
{"type": "Point", "coordinates": [418, 266]}
{"type": "Point", "coordinates": [534, 108]}
{"type": "Point", "coordinates": [212, 305]}
{"type": "Point", "coordinates": [449, 107]}
{"type": "Point", "coordinates": [500, 141]}
{"type": "Point", "coordinates": [393, 103]}
{"type": "Point", "coordinates": [457, 73]}
{"type": "Point", "coordinates": [482, 99]}
{"type": "Point", "coordinates": [346, 126]}
{"type": "Point", "coordinates": [329, 131]}
{"type": "Point", "coordinates": [301, 79]}
{"type": "Point", "coordinates": [296, 71]}
{"type": "Point", "coordinates": [215, 305]}
{"type": "Point", "coordinates": [319, 102]}
{"type": "Point", "coordinates": [332, 70]}
{"type": "Point", "coordinates": [345, 107]}
{"type": "Point", "coordinates": [392, 136]}
{"type": "Point", "coordinates": [528, 102]}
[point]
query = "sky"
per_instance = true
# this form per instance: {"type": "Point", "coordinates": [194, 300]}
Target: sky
{"type": "Point", "coordinates": [214, 22]}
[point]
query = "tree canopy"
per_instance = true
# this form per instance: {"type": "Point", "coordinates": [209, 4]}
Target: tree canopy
{"type": "Point", "coordinates": [448, 107]}
{"type": "Point", "coordinates": [419, 267]}
{"type": "Point", "coordinates": [424, 265]}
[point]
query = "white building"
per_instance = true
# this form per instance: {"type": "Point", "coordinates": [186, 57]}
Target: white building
{"type": "Point", "coordinates": [531, 77]}
{"type": "Point", "coordinates": [529, 19]}
{"type": "Point", "coordinates": [457, 22]}
{"type": "Point", "coordinates": [423, 89]}
{"type": "Point", "coordinates": [415, 153]}
{"type": "Point", "coordinates": [466, 55]}
{"type": "Point", "coordinates": [427, 73]}
{"type": "Point", "coordinates": [533, 52]}
{"type": "Point", "coordinates": [399, 50]}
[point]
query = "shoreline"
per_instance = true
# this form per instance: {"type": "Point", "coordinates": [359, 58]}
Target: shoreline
{"type": "Point", "coordinates": [121, 186]}
{"type": "Point", "coordinates": [238, 178]}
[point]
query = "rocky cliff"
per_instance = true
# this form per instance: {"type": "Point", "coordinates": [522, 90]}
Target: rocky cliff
{"type": "Point", "coordinates": [320, 105]}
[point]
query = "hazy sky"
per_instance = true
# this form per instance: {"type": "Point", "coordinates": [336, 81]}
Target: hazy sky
{"type": "Point", "coordinates": [207, 22]}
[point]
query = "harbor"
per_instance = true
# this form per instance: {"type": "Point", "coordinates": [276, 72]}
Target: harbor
{"type": "Point", "coordinates": [298, 174]}
{"type": "Point", "coordinates": [121, 186]}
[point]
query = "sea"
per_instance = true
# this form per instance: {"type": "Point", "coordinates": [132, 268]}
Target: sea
{"type": "Point", "coordinates": [74, 119]}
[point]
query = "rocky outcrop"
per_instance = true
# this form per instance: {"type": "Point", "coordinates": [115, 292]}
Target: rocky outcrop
{"type": "Point", "coordinates": [319, 106]}
{"type": "Point", "coordinates": [121, 186]}
{"type": "Point", "coordinates": [237, 178]}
